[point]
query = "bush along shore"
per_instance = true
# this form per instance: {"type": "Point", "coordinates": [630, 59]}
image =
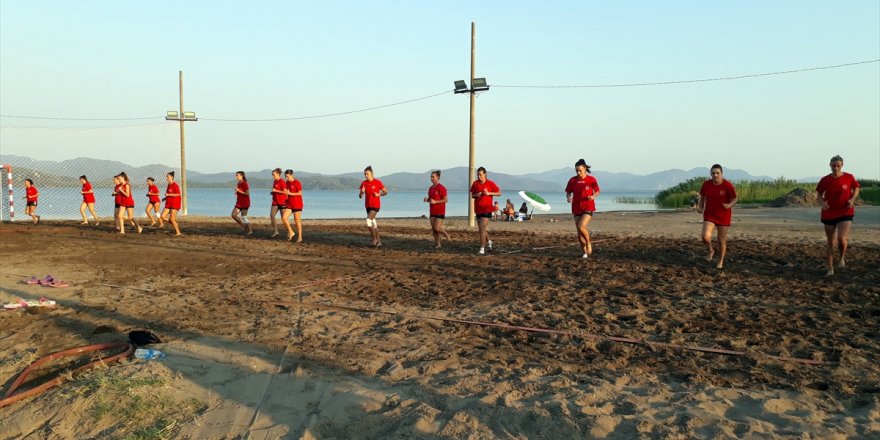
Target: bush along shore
{"type": "Point", "coordinates": [779, 192]}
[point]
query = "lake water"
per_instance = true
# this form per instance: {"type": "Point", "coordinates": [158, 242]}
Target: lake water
{"type": "Point", "coordinates": [63, 203]}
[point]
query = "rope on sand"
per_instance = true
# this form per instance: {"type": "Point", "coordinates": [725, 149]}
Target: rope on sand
{"type": "Point", "coordinates": [508, 327]}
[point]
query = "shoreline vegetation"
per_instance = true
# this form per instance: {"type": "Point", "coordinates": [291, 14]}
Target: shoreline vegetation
{"type": "Point", "coordinates": [687, 193]}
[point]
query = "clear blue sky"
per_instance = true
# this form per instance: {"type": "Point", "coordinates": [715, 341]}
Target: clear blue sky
{"type": "Point", "coordinates": [281, 59]}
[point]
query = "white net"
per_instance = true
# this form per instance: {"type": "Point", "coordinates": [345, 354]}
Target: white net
{"type": "Point", "coordinates": [54, 158]}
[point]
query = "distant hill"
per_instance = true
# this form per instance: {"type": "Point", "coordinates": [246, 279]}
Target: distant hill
{"type": "Point", "coordinates": [634, 182]}
{"type": "Point", "coordinates": [99, 171]}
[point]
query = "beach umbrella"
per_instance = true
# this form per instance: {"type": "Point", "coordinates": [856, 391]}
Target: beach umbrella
{"type": "Point", "coordinates": [535, 200]}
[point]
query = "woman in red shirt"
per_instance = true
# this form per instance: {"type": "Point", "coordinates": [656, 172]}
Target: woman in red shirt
{"type": "Point", "coordinates": [117, 200]}
{"type": "Point", "coordinates": [31, 195]}
{"type": "Point", "coordinates": [127, 205]}
{"type": "Point", "coordinates": [154, 204]}
{"type": "Point", "coordinates": [279, 198]}
{"type": "Point", "coordinates": [373, 189]}
{"type": "Point", "coordinates": [172, 204]}
{"type": "Point", "coordinates": [88, 201]}
{"type": "Point", "coordinates": [242, 203]}
{"type": "Point", "coordinates": [581, 191]}
{"type": "Point", "coordinates": [437, 198]}
{"type": "Point", "coordinates": [717, 197]}
{"type": "Point", "coordinates": [838, 192]}
{"type": "Point", "coordinates": [482, 191]}
{"type": "Point", "coordinates": [294, 205]}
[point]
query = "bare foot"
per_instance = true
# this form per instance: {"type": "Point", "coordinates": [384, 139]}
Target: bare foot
{"type": "Point", "coordinates": [275, 234]}
{"type": "Point", "coordinates": [153, 224]}
{"type": "Point", "coordinates": [178, 234]}
{"type": "Point", "coordinates": [711, 254]}
{"type": "Point", "coordinates": [300, 240]}
{"type": "Point", "coordinates": [140, 229]}
{"type": "Point", "coordinates": [841, 264]}
{"type": "Point", "coordinates": [250, 233]}
{"type": "Point", "coordinates": [589, 248]}
{"type": "Point", "coordinates": [720, 265]}
{"type": "Point", "coordinates": [84, 223]}
{"type": "Point", "coordinates": [829, 273]}
{"type": "Point", "coordinates": [290, 237]}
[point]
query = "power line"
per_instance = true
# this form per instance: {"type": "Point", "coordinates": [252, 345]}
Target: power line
{"type": "Point", "coordinates": [105, 127]}
{"type": "Point", "coordinates": [53, 118]}
{"type": "Point", "coordinates": [686, 81]}
{"type": "Point", "coordinates": [327, 115]}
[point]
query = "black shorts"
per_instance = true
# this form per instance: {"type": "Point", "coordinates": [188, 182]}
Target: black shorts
{"type": "Point", "coordinates": [372, 209]}
{"type": "Point", "coordinates": [440, 216]}
{"type": "Point", "coordinates": [485, 215]}
{"type": "Point", "coordinates": [31, 204]}
{"type": "Point", "coordinates": [279, 206]}
{"type": "Point", "coordinates": [292, 209]}
{"type": "Point", "coordinates": [242, 208]}
{"type": "Point", "coordinates": [117, 206]}
{"type": "Point", "coordinates": [589, 213]}
{"type": "Point", "coordinates": [128, 207]}
{"type": "Point", "coordinates": [835, 221]}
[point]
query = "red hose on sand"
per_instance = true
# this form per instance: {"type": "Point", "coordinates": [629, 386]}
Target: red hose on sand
{"type": "Point", "coordinates": [11, 397]}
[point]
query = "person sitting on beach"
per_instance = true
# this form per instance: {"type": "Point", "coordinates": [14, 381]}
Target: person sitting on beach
{"type": "Point", "coordinates": [496, 211]}
{"type": "Point", "coordinates": [509, 211]}
{"type": "Point", "coordinates": [838, 192]}
{"type": "Point", "coordinates": [717, 197]}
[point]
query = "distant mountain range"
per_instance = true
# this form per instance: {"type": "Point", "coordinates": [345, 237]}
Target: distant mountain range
{"type": "Point", "coordinates": [100, 172]}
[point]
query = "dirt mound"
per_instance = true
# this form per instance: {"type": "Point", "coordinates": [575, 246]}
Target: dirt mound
{"type": "Point", "coordinates": [797, 197]}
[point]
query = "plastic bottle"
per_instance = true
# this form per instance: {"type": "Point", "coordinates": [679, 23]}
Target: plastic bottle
{"type": "Point", "coordinates": [148, 353]}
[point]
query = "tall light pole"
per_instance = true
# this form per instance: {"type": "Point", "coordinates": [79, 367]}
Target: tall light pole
{"type": "Point", "coordinates": [477, 85]}
{"type": "Point", "coordinates": [182, 116]}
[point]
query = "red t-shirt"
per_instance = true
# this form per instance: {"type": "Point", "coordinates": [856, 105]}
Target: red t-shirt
{"type": "Point", "coordinates": [127, 201]}
{"type": "Point", "coordinates": [172, 202]}
{"type": "Point", "coordinates": [90, 197]}
{"type": "Point", "coordinates": [155, 190]}
{"type": "Point", "coordinates": [294, 202]}
{"type": "Point", "coordinates": [836, 191]}
{"type": "Point", "coordinates": [117, 198]}
{"type": "Point", "coordinates": [437, 192]}
{"type": "Point", "coordinates": [279, 199]}
{"type": "Point", "coordinates": [715, 195]}
{"type": "Point", "coordinates": [483, 204]}
{"type": "Point", "coordinates": [370, 190]}
{"type": "Point", "coordinates": [31, 194]}
{"type": "Point", "coordinates": [580, 189]}
{"type": "Point", "coordinates": [243, 201]}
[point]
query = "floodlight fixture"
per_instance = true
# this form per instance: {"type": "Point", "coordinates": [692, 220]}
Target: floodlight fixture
{"type": "Point", "coordinates": [172, 116]}
{"type": "Point", "coordinates": [479, 85]}
{"type": "Point", "coordinates": [190, 116]}
{"type": "Point", "coordinates": [461, 87]}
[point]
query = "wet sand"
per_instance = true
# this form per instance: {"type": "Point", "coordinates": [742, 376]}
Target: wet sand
{"type": "Point", "coordinates": [296, 371]}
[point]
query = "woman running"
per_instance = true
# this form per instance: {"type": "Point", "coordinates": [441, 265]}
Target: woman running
{"type": "Point", "coordinates": [717, 197]}
{"type": "Point", "coordinates": [172, 204]}
{"type": "Point", "coordinates": [117, 200]}
{"type": "Point", "coordinates": [838, 192]}
{"type": "Point", "coordinates": [294, 205]}
{"type": "Point", "coordinates": [242, 203]}
{"type": "Point", "coordinates": [373, 189]}
{"type": "Point", "coordinates": [279, 198]}
{"type": "Point", "coordinates": [581, 191]}
{"type": "Point", "coordinates": [31, 195]}
{"type": "Point", "coordinates": [88, 201]}
{"type": "Point", "coordinates": [154, 203]}
{"type": "Point", "coordinates": [437, 198]}
{"type": "Point", "coordinates": [482, 191]}
{"type": "Point", "coordinates": [127, 205]}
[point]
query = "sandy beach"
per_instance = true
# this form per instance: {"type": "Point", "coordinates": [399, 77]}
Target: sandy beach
{"type": "Point", "coordinates": [239, 366]}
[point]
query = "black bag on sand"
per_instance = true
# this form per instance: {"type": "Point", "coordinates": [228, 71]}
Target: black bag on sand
{"type": "Point", "coordinates": [143, 337]}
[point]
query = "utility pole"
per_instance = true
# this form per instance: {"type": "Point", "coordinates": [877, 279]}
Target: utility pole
{"type": "Point", "coordinates": [182, 117]}
{"type": "Point", "coordinates": [472, 159]}
{"type": "Point", "coordinates": [477, 85]}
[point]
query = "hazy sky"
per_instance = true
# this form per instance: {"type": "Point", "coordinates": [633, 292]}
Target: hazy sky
{"type": "Point", "coordinates": [281, 59]}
